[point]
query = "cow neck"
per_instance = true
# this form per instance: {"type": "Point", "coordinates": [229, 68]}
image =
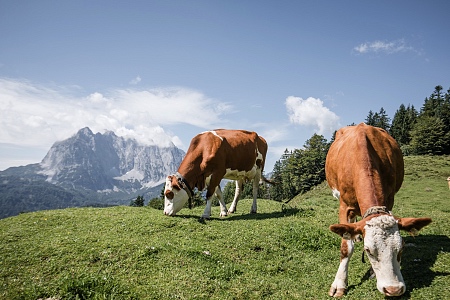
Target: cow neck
{"type": "Point", "coordinates": [376, 210]}
{"type": "Point", "coordinates": [190, 184]}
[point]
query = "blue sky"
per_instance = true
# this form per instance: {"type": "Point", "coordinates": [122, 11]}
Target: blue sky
{"type": "Point", "coordinates": [163, 71]}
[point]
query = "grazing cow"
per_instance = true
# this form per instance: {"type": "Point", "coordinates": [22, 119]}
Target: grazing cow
{"type": "Point", "coordinates": [364, 168]}
{"type": "Point", "coordinates": [212, 155]}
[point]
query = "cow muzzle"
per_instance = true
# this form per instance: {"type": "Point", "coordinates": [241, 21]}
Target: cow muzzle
{"type": "Point", "coordinates": [393, 291]}
{"type": "Point", "coordinates": [169, 212]}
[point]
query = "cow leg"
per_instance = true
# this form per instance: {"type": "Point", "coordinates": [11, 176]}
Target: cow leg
{"type": "Point", "coordinates": [223, 207]}
{"type": "Point", "coordinates": [237, 193]}
{"type": "Point", "coordinates": [339, 285]}
{"type": "Point", "coordinates": [255, 191]}
{"type": "Point", "coordinates": [207, 211]}
{"type": "Point", "coordinates": [210, 191]}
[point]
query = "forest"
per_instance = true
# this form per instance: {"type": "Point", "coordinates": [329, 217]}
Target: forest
{"type": "Point", "coordinates": [418, 132]}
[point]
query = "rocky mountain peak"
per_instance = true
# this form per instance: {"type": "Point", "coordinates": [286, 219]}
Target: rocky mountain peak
{"type": "Point", "coordinates": [106, 162]}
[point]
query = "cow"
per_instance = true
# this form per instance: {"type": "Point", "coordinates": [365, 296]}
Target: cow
{"type": "Point", "coordinates": [212, 155]}
{"type": "Point", "coordinates": [364, 168]}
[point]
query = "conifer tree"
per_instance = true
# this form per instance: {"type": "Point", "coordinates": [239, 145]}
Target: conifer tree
{"type": "Point", "coordinates": [379, 119]}
{"type": "Point", "coordinates": [429, 136]}
{"type": "Point", "coordinates": [402, 124]}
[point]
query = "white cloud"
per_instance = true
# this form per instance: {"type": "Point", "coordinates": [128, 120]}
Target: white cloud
{"type": "Point", "coordinates": [172, 106]}
{"type": "Point", "coordinates": [35, 115]}
{"type": "Point", "coordinates": [384, 47]}
{"type": "Point", "coordinates": [136, 80]}
{"type": "Point", "coordinates": [312, 113]}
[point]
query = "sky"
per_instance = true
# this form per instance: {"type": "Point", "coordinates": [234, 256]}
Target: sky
{"type": "Point", "coordinates": [163, 71]}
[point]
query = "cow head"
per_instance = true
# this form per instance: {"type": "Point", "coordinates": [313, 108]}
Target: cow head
{"type": "Point", "coordinates": [383, 245]}
{"type": "Point", "coordinates": [175, 196]}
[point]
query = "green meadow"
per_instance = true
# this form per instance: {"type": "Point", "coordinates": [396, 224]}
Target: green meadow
{"type": "Point", "coordinates": [286, 251]}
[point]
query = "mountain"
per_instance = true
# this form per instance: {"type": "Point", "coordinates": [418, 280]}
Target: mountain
{"type": "Point", "coordinates": [88, 169]}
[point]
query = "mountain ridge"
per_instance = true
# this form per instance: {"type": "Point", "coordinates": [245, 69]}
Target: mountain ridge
{"type": "Point", "coordinates": [105, 168]}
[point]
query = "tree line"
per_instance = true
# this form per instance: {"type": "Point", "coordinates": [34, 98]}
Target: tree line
{"type": "Point", "coordinates": [418, 132]}
{"type": "Point", "coordinates": [426, 131]}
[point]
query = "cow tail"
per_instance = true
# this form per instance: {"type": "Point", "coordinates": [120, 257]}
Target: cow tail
{"type": "Point", "coordinates": [267, 180]}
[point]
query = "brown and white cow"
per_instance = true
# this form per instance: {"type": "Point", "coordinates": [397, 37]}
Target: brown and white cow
{"type": "Point", "coordinates": [364, 168]}
{"type": "Point", "coordinates": [212, 155]}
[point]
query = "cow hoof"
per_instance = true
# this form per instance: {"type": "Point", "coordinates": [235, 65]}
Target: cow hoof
{"type": "Point", "coordinates": [253, 211]}
{"type": "Point", "coordinates": [223, 215]}
{"type": "Point", "coordinates": [203, 219]}
{"type": "Point", "coordinates": [336, 292]}
{"type": "Point", "coordinates": [230, 213]}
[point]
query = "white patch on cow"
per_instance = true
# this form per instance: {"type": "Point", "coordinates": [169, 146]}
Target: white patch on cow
{"type": "Point", "coordinates": [213, 132]}
{"type": "Point", "coordinates": [236, 174]}
{"type": "Point", "coordinates": [382, 243]}
{"type": "Point", "coordinates": [246, 175]}
{"type": "Point", "coordinates": [174, 205]}
{"type": "Point", "coordinates": [336, 193]}
{"type": "Point", "coordinates": [259, 155]}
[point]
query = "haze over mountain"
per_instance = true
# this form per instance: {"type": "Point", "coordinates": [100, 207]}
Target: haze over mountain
{"type": "Point", "coordinates": [88, 169]}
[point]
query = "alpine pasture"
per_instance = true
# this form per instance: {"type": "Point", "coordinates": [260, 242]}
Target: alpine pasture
{"type": "Point", "coordinates": [286, 251]}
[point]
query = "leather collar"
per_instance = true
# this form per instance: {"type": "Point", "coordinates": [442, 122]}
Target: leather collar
{"type": "Point", "coordinates": [376, 210]}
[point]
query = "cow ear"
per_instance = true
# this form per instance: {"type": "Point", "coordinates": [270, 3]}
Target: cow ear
{"type": "Point", "coordinates": [413, 225]}
{"type": "Point", "coordinates": [346, 231]}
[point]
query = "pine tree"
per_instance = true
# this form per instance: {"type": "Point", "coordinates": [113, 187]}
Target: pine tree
{"type": "Point", "coordinates": [445, 111]}
{"type": "Point", "coordinates": [429, 136]}
{"type": "Point", "coordinates": [402, 124]}
{"type": "Point", "coordinates": [379, 119]}
{"type": "Point", "coordinates": [434, 114]}
{"type": "Point", "coordinates": [276, 190]}
{"type": "Point", "coordinates": [383, 120]}
{"type": "Point", "coordinates": [433, 104]}
{"type": "Point", "coordinates": [139, 202]}
{"type": "Point", "coordinates": [370, 120]}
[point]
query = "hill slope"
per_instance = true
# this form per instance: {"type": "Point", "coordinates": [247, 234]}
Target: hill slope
{"type": "Point", "coordinates": [283, 252]}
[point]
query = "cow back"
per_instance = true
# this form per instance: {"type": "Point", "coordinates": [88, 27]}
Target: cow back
{"type": "Point", "coordinates": [365, 165]}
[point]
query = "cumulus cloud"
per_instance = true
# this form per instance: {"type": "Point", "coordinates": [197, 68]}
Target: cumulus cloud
{"type": "Point", "coordinates": [383, 47]}
{"type": "Point", "coordinates": [312, 113]}
{"type": "Point", "coordinates": [36, 115]}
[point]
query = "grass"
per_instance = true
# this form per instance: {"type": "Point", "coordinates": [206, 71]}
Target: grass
{"type": "Point", "coordinates": [283, 252]}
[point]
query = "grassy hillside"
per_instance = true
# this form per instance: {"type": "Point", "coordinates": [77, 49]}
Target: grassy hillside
{"type": "Point", "coordinates": [283, 252]}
